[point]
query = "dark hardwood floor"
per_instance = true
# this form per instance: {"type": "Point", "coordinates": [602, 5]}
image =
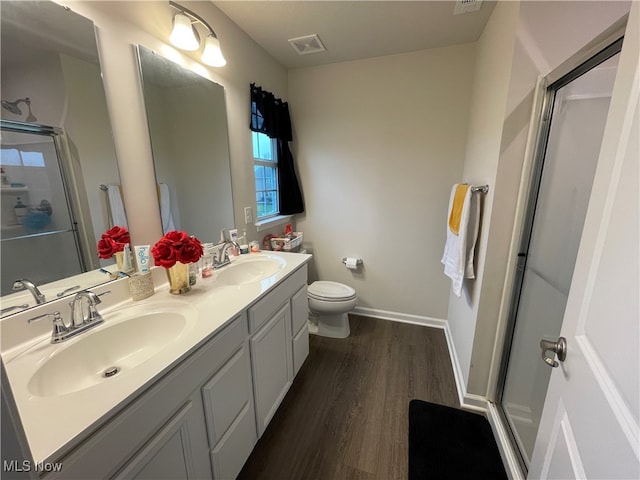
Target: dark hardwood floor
{"type": "Point", "coordinates": [346, 414]}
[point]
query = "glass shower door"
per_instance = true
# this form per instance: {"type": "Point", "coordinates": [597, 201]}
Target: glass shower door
{"type": "Point", "coordinates": [557, 212]}
{"type": "Point", "coordinates": [38, 233]}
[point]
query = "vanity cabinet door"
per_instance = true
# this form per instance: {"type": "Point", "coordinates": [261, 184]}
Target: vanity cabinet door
{"type": "Point", "coordinates": [170, 452]}
{"type": "Point", "coordinates": [299, 328]}
{"type": "Point", "coordinates": [271, 364]}
{"type": "Point", "coordinates": [227, 399]}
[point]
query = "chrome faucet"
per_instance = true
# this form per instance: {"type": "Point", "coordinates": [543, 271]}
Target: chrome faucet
{"type": "Point", "coordinates": [25, 284]}
{"type": "Point", "coordinates": [222, 257]}
{"type": "Point", "coordinates": [61, 331]}
{"type": "Point", "coordinates": [92, 315]}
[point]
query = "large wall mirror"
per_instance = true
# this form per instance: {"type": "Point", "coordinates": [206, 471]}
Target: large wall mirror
{"type": "Point", "coordinates": [57, 149]}
{"type": "Point", "coordinates": [188, 128]}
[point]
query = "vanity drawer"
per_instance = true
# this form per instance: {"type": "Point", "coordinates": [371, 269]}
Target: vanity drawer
{"type": "Point", "coordinates": [264, 309]}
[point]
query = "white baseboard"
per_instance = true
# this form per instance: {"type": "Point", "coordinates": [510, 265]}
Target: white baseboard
{"type": "Point", "coordinates": [400, 317]}
{"type": "Point", "coordinates": [461, 385]}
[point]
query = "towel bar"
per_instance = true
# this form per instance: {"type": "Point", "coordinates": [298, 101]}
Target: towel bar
{"type": "Point", "coordinates": [480, 188]}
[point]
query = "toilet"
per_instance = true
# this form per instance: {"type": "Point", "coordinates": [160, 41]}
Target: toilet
{"type": "Point", "coordinates": [329, 303]}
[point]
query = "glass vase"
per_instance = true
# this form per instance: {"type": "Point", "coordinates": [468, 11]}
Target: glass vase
{"type": "Point", "coordinates": [119, 256]}
{"type": "Point", "coordinates": [178, 276]}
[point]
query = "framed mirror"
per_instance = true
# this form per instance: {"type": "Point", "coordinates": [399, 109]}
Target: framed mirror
{"type": "Point", "coordinates": [57, 151]}
{"type": "Point", "coordinates": [187, 121]}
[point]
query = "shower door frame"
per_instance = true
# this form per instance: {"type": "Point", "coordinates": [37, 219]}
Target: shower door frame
{"type": "Point", "coordinates": [599, 50]}
{"type": "Point", "coordinates": [82, 240]}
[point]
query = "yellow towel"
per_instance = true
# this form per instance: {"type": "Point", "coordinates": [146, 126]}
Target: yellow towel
{"type": "Point", "coordinates": [456, 208]}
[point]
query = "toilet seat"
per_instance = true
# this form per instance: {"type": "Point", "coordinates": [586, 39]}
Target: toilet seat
{"type": "Point", "coordinates": [330, 291]}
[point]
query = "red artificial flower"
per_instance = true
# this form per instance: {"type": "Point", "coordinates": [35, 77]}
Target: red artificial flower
{"type": "Point", "coordinates": [113, 241]}
{"type": "Point", "coordinates": [176, 246]}
{"type": "Point", "coordinates": [164, 254]}
{"type": "Point", "coordinates": [119, 234]}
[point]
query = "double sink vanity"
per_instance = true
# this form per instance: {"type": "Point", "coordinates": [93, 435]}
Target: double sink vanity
{"type": "Point", "coordinates": [173, 386]}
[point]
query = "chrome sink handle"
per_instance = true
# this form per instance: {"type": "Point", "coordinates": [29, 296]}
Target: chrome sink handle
{"type": "Point", "coordinates": [15, 307]}
{"type": "Point", "coordinates": [93, 315]}
{"type": "Point", "coordinates": [60, 330]}
{"type": "Point", "coordinates": [67, 290]}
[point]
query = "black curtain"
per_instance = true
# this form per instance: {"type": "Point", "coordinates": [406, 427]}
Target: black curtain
{"type": "Point", "coordinates": [270, 115]}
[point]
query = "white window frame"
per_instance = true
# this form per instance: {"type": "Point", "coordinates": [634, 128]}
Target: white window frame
{"type": "Point", "coordinates": [265, 162]}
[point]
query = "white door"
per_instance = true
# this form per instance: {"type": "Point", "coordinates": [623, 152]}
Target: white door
{"type": "Point", "coordinates": [590, 421]}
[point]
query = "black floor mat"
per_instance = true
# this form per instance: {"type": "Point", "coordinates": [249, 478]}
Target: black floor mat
{"type": "Point", "coordinates": [448, 443]}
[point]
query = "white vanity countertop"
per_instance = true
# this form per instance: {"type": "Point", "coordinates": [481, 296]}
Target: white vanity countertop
{"type": "Point", "coordinates": [50, 422]}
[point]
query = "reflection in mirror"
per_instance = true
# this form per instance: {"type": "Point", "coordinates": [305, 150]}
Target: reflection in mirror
{"type": "Point", "coordinates": [188, 129]}
{"type": "Point", "coordinates": [52, 88]}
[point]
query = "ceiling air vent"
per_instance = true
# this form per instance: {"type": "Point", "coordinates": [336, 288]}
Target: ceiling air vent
{"type": "Point", "coordinates": [306, 45]}
{"type": "Point", "coordinates": [465, 6]}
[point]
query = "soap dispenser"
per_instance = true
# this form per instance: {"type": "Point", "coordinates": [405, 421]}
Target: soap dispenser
{"type": "Point", "coordinates": [20, 210]}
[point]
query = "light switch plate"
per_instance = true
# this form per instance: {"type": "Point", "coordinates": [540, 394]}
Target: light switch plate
{"type": "Point", "coordinates": [248, 215]}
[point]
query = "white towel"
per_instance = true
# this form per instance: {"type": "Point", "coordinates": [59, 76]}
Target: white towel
{"type": "Point", "coordinates": [459, 250]}
{"type": "Point", "coordinates": [165, 209]}
{"type": "Point", "coordinates": [118, 216]}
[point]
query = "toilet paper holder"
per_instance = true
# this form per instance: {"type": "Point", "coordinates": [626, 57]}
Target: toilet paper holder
{"type": "Point", "coordinates": [358, 261]}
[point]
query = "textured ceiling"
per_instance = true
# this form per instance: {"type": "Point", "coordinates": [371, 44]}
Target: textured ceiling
{"type": "Point", "coordinates": [352, 30]}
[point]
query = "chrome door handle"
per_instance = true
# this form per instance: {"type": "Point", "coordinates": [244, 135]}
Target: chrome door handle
{"type": "Point", "coordinates": [559, 348]}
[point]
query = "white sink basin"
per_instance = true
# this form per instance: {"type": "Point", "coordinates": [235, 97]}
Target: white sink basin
{"type": "Point", "coordinates": [127, 338]}
{"type": "Point", "coordinates": [250, 270]}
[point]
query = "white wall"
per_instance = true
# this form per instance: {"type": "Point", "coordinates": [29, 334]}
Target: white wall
{"type": "Point", "coordinates": [43, 82]}
{"type": "Point", "coordinates": [543, 34]}
{"type": "Point", "coordinates": [379, 142]}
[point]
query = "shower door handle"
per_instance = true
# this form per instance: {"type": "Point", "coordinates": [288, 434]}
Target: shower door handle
{"type": "Point", "coordinates": [559, 348]}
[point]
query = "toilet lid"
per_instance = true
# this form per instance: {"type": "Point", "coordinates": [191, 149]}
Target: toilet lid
{"type": "Point", "coordinates": [330, 291]}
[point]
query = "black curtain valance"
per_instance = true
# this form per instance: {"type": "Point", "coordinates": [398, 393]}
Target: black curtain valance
{"type": "Point", "coordinates": [270, 115]}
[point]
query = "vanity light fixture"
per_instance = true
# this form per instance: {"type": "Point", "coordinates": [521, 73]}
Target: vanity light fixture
{"type": "Point", "coordinates": [185, 36]}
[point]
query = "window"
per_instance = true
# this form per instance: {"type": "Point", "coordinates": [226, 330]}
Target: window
{"type": "Point", "coordinates": [265, 169]}
{"type": "Point", "coordinates": [15, 157]}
